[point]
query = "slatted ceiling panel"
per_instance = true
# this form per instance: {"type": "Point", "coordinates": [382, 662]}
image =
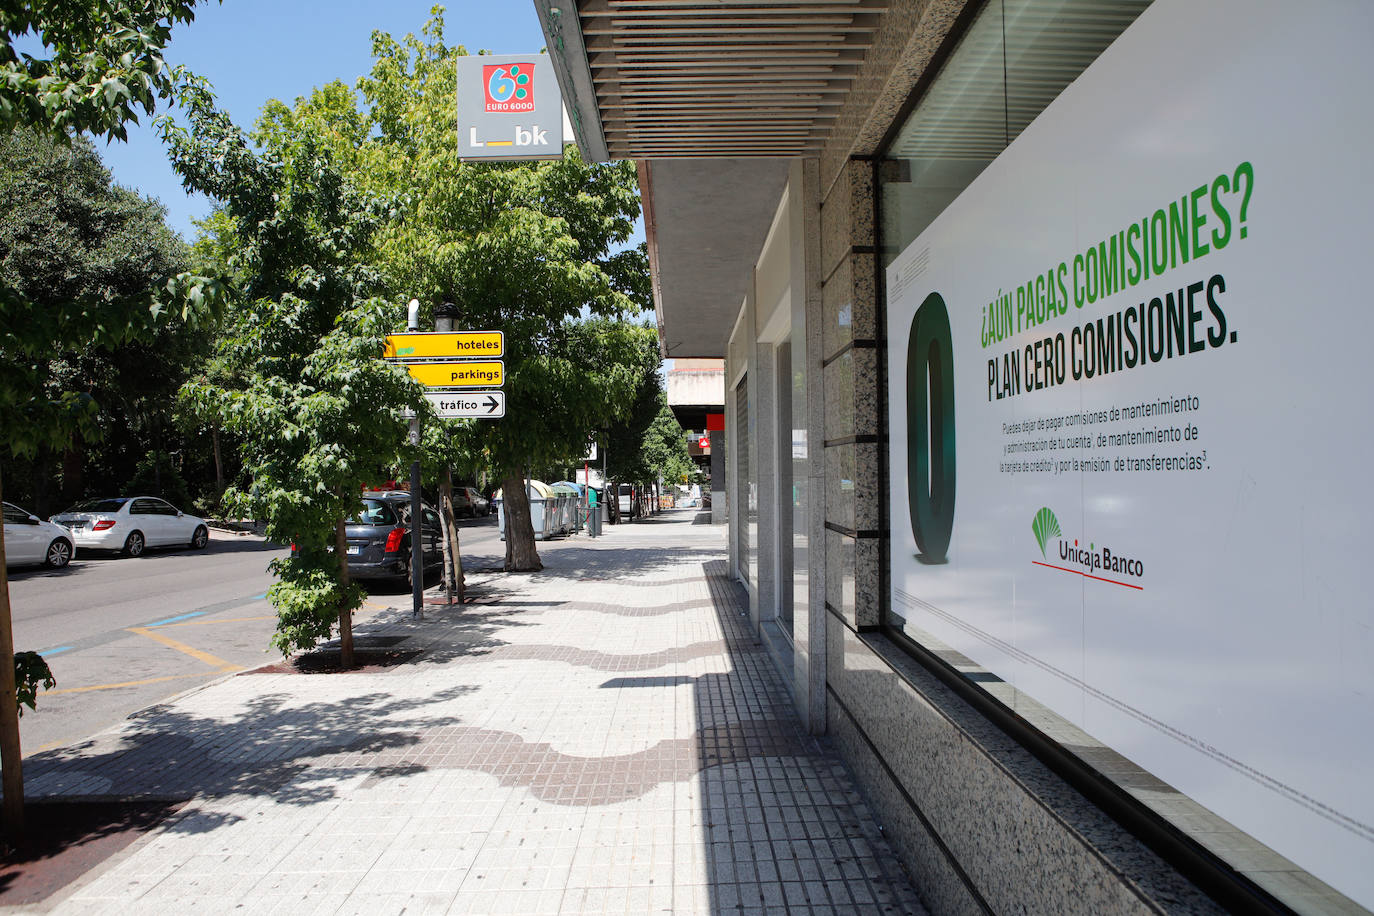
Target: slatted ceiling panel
{"type": "Point", "coordinates": [714, 78]}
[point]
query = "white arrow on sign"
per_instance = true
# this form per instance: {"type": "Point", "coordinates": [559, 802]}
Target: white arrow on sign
{"type": "Point", "coordinates": [454, 405]}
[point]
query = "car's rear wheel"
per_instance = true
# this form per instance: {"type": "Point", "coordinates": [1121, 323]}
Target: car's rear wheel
{"type": "Point", "coordinates": [59, 553]}
{"type": "Point", "coordinates": [405, 574]}
{"type": "Point", "coordinates": [134, 544]}
{"type": "Point", "coordinates": [200, 538]}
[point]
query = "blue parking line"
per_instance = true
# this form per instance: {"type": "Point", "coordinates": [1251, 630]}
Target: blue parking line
{"type": "Point", "coordinates": [46, 652]}
{"type": "Point", "coordinates": [260, 597]}
{"type": "Point", "coordinates": [175, 619]}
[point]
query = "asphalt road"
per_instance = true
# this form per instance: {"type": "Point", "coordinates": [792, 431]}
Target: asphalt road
{"type": "Point", "coordinates": [122, 634]}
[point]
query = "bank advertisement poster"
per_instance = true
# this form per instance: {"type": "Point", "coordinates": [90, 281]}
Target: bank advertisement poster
{"type": "Point", "coordinates": [1131, 413]}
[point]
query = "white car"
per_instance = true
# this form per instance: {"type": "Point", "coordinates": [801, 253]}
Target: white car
{"type": "Point", "coordinates": [29, 539]}
{"type": "Point", "coordinates": [130, 524]}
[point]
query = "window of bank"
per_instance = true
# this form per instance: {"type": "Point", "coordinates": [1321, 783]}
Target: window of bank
{"type": "Point", "coordinates": [1013, 59]}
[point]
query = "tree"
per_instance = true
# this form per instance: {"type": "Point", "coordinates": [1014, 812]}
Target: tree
{"type": "Point", "coordinates": [106, 63]}
{"type": "Point", "coordinates": [106, 58]}
{"type": "Point", "coordinates": [301, 380]}
{"type": "Point", "coordinates": [69, 234]}
{"type": "Point", "coordinates": [664, 452]}
{"type": "Point", "coordinates": [532, 249]}
{"type": "Point", "coordinates": [623, 441]}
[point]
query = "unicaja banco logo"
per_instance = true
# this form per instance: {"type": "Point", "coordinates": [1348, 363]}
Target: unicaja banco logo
{"type": "Point", "coordinates": [509, 87]}
{"type": "Point", "coordinates": [1094, 562]}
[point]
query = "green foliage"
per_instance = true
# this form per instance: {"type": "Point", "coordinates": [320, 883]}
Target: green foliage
{"type": "Point", "coordinates": [535, 249]}
{"type": "Point", "coordinates": [307, 587]}
{"type": "Point", "coordinates": [157, 475]}
{"type": "Point", "coordinates": [531, 248]}
{"type": "Point", "coordinates": [87, 271]}
{"type": "Point", "coordinates": [104, 63]}
{"type": "Point", "coordinates": [664, 448]}
{"type": "Point", "coordinates": [624, 440]}
{"type": "Point", "coordinates": [30, 673]}
{"type": "Point", "coordinates": [298, 376]}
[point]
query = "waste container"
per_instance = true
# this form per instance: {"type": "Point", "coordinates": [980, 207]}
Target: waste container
{"type": "Point", "coordinates": [577, 511]}
{"type": "Point", "coordinates": [543, 510]}
{"type": "Point", "coordinates": [566, 496]}
{"type": "Point", "coordinates": [595, 508]}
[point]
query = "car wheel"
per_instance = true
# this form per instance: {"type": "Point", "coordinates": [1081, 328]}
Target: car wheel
{"type": "Point", "coordinates": [134, 544]}
{"type": "Point", "coordinates": [200, 538]}
{"type": "Point", "coordinates": [59, 554]}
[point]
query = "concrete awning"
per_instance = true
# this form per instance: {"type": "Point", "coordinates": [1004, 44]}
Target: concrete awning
{"type": "Point", "coordinates": [713, 98]}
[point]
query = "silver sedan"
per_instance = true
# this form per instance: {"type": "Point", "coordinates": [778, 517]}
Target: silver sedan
{"type": "Point", "coordinates": [131, 524]}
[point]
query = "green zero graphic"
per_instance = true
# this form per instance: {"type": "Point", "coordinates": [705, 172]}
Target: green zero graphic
{"type": "Point", "coordinates": [930, 429]}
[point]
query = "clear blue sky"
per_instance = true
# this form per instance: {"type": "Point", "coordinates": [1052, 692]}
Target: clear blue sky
{"type": "Point", "coordinates": [255, 50]}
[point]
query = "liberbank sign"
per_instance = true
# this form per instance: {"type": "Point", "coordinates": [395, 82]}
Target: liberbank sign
{"type": "Point", "coordinates": [1129, 404]}
{"type": "Point", "coordinates": [509, 107]}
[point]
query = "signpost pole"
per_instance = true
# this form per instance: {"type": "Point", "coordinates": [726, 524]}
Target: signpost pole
{"type": "Point", "coordinates": [417, 561]}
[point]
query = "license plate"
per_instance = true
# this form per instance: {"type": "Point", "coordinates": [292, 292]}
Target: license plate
{"type": "Point", "coordinates": [354, 550]}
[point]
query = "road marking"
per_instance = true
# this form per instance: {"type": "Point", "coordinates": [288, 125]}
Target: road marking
{"type": "Point", "coordinates": [151, 680]}
{"type": "Point", "coordinates": [47, 652]}
{"type": "Point", "coordinates": [211, 623]}
{"type": "Point", "coordinates": [175, 619]}
{"type": "Point", "coordinates": [205, 657]}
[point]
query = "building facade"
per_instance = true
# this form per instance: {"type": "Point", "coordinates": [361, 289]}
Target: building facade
{"type": "Point", "coordinates": [1042, 466]}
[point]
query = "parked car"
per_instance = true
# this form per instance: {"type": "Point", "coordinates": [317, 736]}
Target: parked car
{"type": "Point", "coordinates": [379, 537]}
{"type": "Point", "coordinates": [131, 524]}
{"type": "Point", "coordinates": [469, 502]}
{"type": "Point", "coordinates": [29, 539]}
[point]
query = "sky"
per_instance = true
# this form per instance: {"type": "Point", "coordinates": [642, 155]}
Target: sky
{"type": "Point", "coordinates": [255, 50]}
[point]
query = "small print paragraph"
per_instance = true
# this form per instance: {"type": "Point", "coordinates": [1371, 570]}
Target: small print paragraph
{"type": "Point", "coordinates": [1146, 437]}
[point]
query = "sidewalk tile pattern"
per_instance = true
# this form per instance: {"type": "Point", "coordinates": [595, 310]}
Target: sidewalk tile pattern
{"type": "Point", "coordinates": [603, 737]}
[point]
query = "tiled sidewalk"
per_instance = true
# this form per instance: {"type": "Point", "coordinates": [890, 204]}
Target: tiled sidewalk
{"type": "Point", "coordinates": [602, 737]}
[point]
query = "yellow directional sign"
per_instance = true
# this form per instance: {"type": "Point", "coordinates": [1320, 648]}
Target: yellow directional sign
{"type": "Point", "coordinates": [445, 345]}
{"type": "Point", "coordinates": [474, 374]}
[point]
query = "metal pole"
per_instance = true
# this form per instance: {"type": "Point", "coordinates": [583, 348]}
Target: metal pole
{"type": "Point", "coordinates": [417, 561]}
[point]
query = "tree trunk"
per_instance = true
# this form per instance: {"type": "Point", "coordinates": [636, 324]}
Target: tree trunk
{"type": "Point", "coordinates": [345, 615]}
{"type": "Point", "coordinates": [219, 464]}
{"type": "Point", "coordinates": [73, 467]}
{"type": "Point", "coordinates": [453, 554]}
{"type": "Point", "coordinates": [446, 526]}
{"type": "Point", "coordinates": [11, 757]}
{"type": "Point", "coordinates": [42, 483]}
{"type": "Point", "coordinates": [521, 554]}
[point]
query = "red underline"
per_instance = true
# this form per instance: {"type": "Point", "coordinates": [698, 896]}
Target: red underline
{"type": "Point", "coordinates": [1139, 588]}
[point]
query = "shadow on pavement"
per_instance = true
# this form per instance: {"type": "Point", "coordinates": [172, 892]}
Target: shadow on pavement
{"type": "Point", "coordinates": [63, 840]}
{"type": "Point", "coordinates": [266, 748]}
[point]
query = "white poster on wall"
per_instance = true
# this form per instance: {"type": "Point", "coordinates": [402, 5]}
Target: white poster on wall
{"type": "Point", "coordinates": [1131, 437]}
